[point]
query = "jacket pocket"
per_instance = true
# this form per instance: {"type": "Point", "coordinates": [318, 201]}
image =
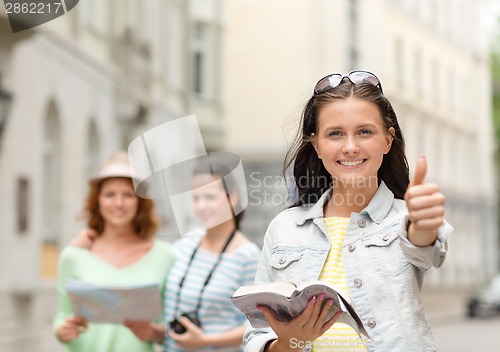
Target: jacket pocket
{"type": "Point", "coordinates": [386, 252]}
{"type": "Point", "coordinates": [284, 262]}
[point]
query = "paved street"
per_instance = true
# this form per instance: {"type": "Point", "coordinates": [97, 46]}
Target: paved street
{"type": "Point", "coordinates": [454, 332]}
{"type": "Point", "coordinates": [469, 335]}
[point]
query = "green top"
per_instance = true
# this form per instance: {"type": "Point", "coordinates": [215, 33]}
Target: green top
{"type": "Point", "coordinates": [80, 264]}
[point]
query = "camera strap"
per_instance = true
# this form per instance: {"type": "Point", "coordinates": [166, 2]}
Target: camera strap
{"type": "Point", "coordinates": [181, 283]}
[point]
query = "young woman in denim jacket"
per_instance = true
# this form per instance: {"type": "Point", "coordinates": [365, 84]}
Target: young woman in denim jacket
{"type": "Point", "coordinates": [350, 168]}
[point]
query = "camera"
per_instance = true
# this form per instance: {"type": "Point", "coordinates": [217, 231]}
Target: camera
{"type": "Point", "coordinates": [177, 326]}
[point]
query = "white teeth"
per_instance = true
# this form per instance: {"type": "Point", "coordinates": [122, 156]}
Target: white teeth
{"type": "Point", "coordinates": [351, 163]}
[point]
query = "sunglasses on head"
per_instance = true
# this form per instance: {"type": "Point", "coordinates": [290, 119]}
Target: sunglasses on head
{"type": "Point", "coordinates": [356, 77]}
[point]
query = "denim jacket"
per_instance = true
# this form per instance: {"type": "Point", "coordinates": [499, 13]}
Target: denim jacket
{"type": "Point", "coordinates": [384, 270]}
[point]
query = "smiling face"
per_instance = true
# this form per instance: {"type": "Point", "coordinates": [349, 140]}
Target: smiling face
{"type": "Point", "coordinates": [351, 140]}
{"type": "Point", "coordinates": [210, 201]}
{"type": "Point", "coordinates": [118, 202]}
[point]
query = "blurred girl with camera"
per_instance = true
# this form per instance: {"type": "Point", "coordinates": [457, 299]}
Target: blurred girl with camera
{"type": "Point", "coordinates": [211, 264]}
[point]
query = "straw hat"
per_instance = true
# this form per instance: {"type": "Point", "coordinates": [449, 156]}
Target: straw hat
{"type": "Point", "coordinates": [117, 165]}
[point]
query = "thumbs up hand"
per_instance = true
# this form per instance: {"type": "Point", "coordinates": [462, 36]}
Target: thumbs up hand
{"type": "Point", "coordinates": [425, 204]}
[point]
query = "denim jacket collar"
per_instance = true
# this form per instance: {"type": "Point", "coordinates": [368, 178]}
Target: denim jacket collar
{"type": "Point", "coordinates": [377, 209]}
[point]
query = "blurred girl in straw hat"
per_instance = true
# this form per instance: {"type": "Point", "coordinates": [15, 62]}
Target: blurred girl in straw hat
{"type": "Point", "coordinates": [124, 252]}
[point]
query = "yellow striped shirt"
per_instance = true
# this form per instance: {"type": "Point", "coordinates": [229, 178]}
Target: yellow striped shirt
{"type": "Point", "coordinates": [340, 337]}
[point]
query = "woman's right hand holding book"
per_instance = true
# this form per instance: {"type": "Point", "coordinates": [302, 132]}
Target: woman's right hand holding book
{"type": "Point", "coordinates": [302, 330]}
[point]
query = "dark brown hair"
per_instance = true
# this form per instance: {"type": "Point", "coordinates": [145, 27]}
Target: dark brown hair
{"type": "Point", "coordinates": [303, 158]}
{"type": "Point", "coordinates": [145, 222]}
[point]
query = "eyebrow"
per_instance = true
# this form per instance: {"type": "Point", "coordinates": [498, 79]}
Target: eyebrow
{"type": "Point", "coordinates": [357, 127]}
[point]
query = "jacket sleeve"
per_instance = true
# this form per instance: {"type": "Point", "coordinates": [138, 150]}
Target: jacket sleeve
{"type": "Point", "coordinates": [425, 257]}
{"type": "Point", "coordinates": [254, 339]}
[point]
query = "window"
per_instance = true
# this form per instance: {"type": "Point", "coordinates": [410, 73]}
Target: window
{"type": "Point", "coordinates": [399, 62]}
{"type": "Point", "coordinates": [174, 52]}
{"type": "Point", "coordinates": [418, 72]}
{"type": "Point", "coordinates": [95, 14]}
{"type": "Point", "coordinates": [22, 205]}
{"type": "Point", "coordinates": [88, 11]}
{"type": "Point", "coordinates": [92, 150]}
{"type": "Point", "coordinates": [433, 13]}
{"type": "Point", "coordinates": [51, 207]}
{"type": "Point", "coordinates": [204, 55]}
{"type": "Point", "coordinates": [353, 34]}
{"type": "Point", "coordinates": [451, 88]}
{"type": "Point", "coordinates": [198, 73]}
{"type": "Point", "coordinates": [199, 58]}
{"type": "Point", "coordinates": [49, 255]}
{"type": "Point", "coordinates": [413, 8]}
{"type": "Point", "coordinates": [147, 17]}
{"type": "Point", "coordinates": [465, 97]}
{"type": "Point", "coordinates": [439, 154]}
{"type": "Point", "coordinates": [435, 81]}
{"type": "Point", "coordinates": [422, 138]}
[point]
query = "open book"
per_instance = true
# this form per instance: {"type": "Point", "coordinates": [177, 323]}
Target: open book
{"type": "Point", "coordinates": [287, 300]}
{"type": "Point", "coordinates": [115, 304]}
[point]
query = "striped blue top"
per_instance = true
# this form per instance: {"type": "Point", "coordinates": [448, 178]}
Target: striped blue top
{"type": "Point", "coordinates": [217, 314]}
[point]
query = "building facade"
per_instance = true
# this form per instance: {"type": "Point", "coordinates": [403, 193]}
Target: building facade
{"type": "Point", "coordinates": [87, 83]}
{"type": "Point", "coordinates": [433, 60]}
{"type": "Point", "coordinates": [83, 86]}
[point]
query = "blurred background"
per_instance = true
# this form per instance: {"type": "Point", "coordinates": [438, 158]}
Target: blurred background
{"type": "Point", "coordinates": [85, 84]}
